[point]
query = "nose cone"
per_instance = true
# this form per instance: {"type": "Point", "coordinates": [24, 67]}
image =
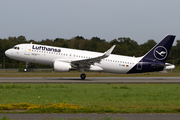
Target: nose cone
{"type": "Point", "coordinates": [7, 53]}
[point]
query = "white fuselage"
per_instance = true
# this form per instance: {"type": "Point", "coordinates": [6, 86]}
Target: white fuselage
{"type": "Point", "coordinates": [43, 54]}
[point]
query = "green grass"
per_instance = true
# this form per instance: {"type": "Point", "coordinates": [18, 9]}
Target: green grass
{"type": "Point", "coordinates": [106, 118]}
{"type": "Point", "coordinates": [5, 118]}
{"type": "Point", "coordinates": [98, 98]}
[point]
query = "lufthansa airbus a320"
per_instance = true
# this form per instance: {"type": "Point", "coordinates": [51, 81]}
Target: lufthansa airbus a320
{"type": "Point", "coordinates": [64, 59]}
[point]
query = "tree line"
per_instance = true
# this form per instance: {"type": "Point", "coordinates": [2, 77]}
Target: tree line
{"type": "Point", "coordinates": [124, 46]}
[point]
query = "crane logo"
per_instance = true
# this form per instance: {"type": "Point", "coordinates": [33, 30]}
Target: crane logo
{"type": "Point", "coordinates": [160, 53]}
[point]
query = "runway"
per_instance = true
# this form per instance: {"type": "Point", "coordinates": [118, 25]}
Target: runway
{"type": "Point", "coordinates": [113, 80]}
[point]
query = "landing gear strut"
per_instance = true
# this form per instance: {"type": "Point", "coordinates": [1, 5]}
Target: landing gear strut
{"type": "Point", "coordinates": [83, 76]}
{"type": "Point", "coordinates": [26, 69]}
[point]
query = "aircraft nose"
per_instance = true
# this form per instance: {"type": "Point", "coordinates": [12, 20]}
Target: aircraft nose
{"type": "Point", "coordinates": [7, 53]}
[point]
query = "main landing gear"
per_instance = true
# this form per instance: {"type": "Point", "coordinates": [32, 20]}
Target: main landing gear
{"type": "Point", "coordinates": [83, 76]}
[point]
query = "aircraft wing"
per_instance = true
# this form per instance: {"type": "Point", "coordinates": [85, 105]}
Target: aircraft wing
{"type": "Point", "coordinates": [91, 61]}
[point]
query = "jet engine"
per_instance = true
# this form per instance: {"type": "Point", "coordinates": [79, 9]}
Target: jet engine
{"type": "Point", "coordinates": [62, 66]}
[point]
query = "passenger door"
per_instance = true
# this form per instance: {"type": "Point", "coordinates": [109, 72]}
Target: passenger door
{"type": "Point", "coordinates": [27, 50]}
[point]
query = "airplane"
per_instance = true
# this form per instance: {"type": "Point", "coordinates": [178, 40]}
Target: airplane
{"type": "Point", "coordinates": [65, 59]}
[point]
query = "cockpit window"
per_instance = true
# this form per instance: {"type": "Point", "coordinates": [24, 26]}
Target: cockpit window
{"type": "Point", "coordinates": [17, 48]}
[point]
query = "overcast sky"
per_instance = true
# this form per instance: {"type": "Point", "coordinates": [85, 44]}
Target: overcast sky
{"type": "Point", "coordinates": [140, 20]}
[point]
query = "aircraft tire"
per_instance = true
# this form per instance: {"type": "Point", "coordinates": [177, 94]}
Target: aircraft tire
{"type": "Point", "coordinates": [83, 76]}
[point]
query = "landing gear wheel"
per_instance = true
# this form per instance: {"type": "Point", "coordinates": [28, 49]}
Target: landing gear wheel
{"type": "Point", "coordinates": [83, 76]}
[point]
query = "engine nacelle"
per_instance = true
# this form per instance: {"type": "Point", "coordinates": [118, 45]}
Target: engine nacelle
{"type": "Point", "coordinates": [62, 66]}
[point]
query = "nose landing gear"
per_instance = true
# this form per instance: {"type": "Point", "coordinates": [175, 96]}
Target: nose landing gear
{"type": "Point", "coordinates": [26, 69]}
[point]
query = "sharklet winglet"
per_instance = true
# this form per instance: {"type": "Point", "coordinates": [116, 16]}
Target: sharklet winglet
{"type": "Point", "coordinates": [108, 52]}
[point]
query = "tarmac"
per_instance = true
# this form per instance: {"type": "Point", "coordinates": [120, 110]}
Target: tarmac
{"type": "Point", "coordinates": [70, 80]}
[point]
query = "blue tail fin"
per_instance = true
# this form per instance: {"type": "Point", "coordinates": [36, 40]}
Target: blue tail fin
{"type": "Point", "coordinates": [155, 59]}
{"type": "Point", "coordinates": [161, 50]}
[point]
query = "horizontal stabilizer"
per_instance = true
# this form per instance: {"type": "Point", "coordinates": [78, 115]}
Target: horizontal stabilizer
{"type": "Point", "coordinates": [169, 66]}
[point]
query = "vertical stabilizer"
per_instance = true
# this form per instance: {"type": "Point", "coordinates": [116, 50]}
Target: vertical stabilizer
{"type": "Point", "coordinates": [160, 51]}
{"type": "Point", "coordinates": [155, 59]}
